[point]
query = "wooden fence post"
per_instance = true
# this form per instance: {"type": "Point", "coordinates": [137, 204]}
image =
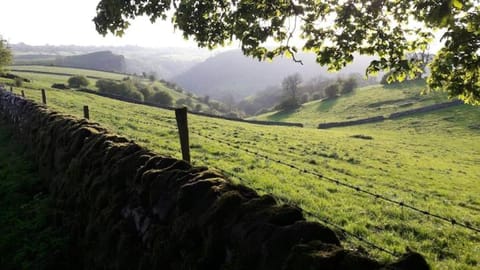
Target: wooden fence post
{"type": "Point", "coordinates": [182, 123]}
{"type": "Point", "coordinates": [44, 97]}
{"type": "Point", "coordinates": [86, 112]}
{"type": "Point", "coordinates": [23, 93]}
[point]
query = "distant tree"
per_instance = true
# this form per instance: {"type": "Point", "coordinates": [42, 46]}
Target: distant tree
{"type": "Point", "coordinates": [152, 77]}
{"type": "Point", "coordinates": [144, 74]}
{"type": "Point", "coordinates": [146, 91]}
{"type": "Point", "coordinates": [317, 96]}
{"type": "Point", "coordinates": [180, 102]}
{"type": "Point", "coordinates": [290, 85]}
{"type": "Point", "coordinates": [5, 54]}
{"type": "Point", "coordinates": [206, 99]}
{"type": "Point", "coordinates": [331, 91]}
{"type": "Point", "coordinates": [61, 86]}
{"type": "Point", "coordinates": [162, 98]}
{"type": "Point", "coordinates": [348, 85]}
{"type": "Point", "coordinates": [78, 81]}
{"type": "Point", "coordinates": [125, 89]}
{"type": "Point", "coordinates": [189, 102]}
{"type": "Point", "coordinates": [290, 88]}
{"type": "Point", "coordinates": [198, 107]}
{"type": "Point", "coordinates": [304, 98]}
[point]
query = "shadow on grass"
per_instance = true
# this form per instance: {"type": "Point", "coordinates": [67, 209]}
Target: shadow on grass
{"type": "Point", "coordinates": [326, 104]}
{"type": "Point", "coordinates": [281, 115]}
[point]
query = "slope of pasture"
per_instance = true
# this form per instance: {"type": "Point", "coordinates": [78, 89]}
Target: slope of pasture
{"type": "Point", "coordinates": [71, 71]}
{"type": "Point", "coordinates": [430, 162]}
{"type": "Point", "coordinates": [364, 102]}
{"type": "Point", "coordinates": [40, 78]}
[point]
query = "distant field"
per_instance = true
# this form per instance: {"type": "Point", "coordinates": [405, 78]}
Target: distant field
{"type": "Point", "coordinates": [365, 102]}
{"type": "Point", "coordinates": [41, 79]}
{"type": "Point", "coordinates": [71, 71]}
{"type": "Point", "coordinates": [429, 161]}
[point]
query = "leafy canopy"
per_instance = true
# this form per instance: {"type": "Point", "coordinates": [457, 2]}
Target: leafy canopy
{"type": "Point", "coordinates": [333, 30]}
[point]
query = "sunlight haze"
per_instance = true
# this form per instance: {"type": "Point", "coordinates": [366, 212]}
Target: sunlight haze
{"type": "Point", "coordinates": [65, 22]}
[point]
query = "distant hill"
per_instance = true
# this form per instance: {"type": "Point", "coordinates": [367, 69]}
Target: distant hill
{"type": "Point", "coordinates": [163, 62]}
{"type": "Point", "coordinates": [232, 73]}
{"type": "Point", "coordinates": [104, 60]}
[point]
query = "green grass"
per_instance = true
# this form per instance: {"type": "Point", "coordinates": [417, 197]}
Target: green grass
{"type": "Point", "coordinates": [364, 102]}
{"type": "Point", "coordinates": [27, 241]}
{"type": "Point", "coordinates": [72, 71]}
{"type": "Point", "coordinates": [45, 81]}
{"type": "Point", "coordinates": [429, 161]}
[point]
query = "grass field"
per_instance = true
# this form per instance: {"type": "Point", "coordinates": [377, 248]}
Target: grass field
{"type": "Point", "coordinates": [41, 79]}
{"type": "Point", "coordinates": [72, 71]}
{"type": "Point", "coordinates": [430, 161]}
{"type": "Point", "coordinates": [364, 102]}
{"type": "Point", "coordinates": [27, 240]}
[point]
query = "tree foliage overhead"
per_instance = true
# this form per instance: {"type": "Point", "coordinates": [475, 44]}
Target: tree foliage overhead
{"type": "Point", "coordinates": [333, 30]}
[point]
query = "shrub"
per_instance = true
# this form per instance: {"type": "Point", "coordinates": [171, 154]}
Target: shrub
{"type": "Point", "coordinates": [180, 102]}
{"type": "Point", "coordinates": [162, 98]}
{"type": "Point", "coordinates": [349, 85]}
{"type": "Point", "coordinates": [317, 96]}
{"type": "Point", "coordinates": [18, 81]}
{"type": "Point", "coordinates": [288, 104]}
{"type": "Point", "coordinates": [61, 86]}
{"type": "Point", "coordinates": [146, 91]}
{"type": "Point", "coordinates": [332, 91]}
{"type": "Point", "coordinates": [125, 89]}
{"type": "Point", "coordinates": [78, 81]}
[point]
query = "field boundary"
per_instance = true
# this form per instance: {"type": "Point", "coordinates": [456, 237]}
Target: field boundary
{"type": "Point", "coordinates": [130, 100]}
{"type": "Point", "coordinates": [376, 119]}
{"type": "Point", "coordinates": [60, 73]}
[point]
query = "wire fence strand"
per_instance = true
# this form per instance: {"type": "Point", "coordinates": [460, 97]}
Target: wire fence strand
{"type": "Point", "coordinates": [355, 188]}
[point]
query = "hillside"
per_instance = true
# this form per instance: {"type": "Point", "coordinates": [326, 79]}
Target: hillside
{"type": "Point", "coordinates": [164, 62]}
{"type": "Point", "coordinates": [370, 101]}
{"type": "Point", "coordinates": [45, 76]}
{"type": "Point", "coordinates": [232, 73]}
{"type": "Point", "coordinates": [103, 60]}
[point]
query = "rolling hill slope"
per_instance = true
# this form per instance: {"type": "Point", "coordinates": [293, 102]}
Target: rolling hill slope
{"type": "Point", "coordinates": [370, 101]}
{"type": "Point", "coordinates": [232, 73]}
{"type": "Point", "coordinates": [45, 76]}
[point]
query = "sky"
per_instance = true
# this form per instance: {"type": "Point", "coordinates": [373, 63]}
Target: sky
{"type": "Point", "coordinates": [69, 22]}
{"type": "Point", "coordinates": [66, 22]}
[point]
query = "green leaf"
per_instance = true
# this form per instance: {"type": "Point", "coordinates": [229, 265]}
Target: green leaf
{"type": "Point", "coordinates": [457, 4]}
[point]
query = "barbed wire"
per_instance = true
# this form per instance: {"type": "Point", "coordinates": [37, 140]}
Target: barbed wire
{"type": "Point", "coordinates": [325, 221]}
{"type": "Point", "coordinates": [355, 188]}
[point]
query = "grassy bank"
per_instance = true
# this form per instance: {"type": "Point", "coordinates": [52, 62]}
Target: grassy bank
{"type": "Point", "coordinates": [27, 241]}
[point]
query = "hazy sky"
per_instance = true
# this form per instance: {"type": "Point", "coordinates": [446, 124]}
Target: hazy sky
{"type": "Point", "coordinates": [56, 22]}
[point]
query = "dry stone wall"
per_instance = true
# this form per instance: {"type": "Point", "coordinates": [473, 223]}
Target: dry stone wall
{"type": "Point", "coordinates": [128, 208]}
{"type": "Point", "coordinates": [396, 115]}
